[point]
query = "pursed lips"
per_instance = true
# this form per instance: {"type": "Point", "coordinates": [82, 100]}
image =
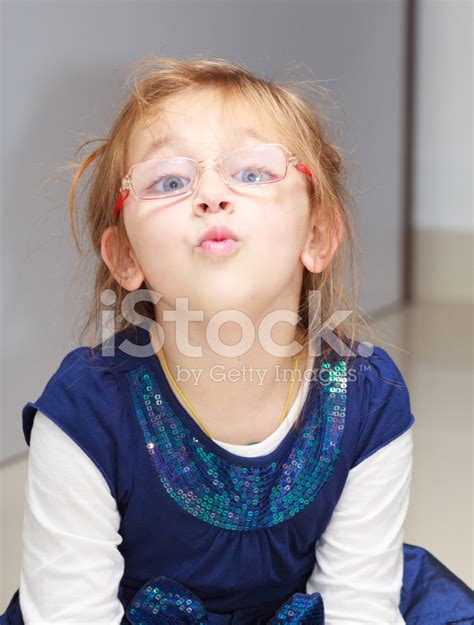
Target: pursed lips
{"type": "Point", "coordinates": [218, 233]}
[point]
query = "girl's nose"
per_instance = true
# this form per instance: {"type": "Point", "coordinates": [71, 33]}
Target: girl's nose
{"type": "Point", "coordinates": [211, 192]}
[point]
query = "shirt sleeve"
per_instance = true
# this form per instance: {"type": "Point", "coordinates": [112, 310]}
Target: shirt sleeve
{"type": "Point", "coordinates": [359, 557]}
{"type": "Point", "coordinates": [71, 567]}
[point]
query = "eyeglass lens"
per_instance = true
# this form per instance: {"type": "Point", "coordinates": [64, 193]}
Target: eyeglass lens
{"type": "Point", "coordinates": [244, 167]}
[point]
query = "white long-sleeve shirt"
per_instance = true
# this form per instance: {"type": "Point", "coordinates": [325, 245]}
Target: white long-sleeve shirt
{"type": "Point", "coordinates": [71, 567]}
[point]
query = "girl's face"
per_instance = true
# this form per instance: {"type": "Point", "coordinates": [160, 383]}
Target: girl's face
{"type": "Point", "coordinates": [272, 223]}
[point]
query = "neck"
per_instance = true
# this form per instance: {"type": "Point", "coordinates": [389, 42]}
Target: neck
{"type": "Point", "coordinates": [257, 376]}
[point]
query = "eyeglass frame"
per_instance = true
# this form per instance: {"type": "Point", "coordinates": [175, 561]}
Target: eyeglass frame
{"type": "Point", "coordinates": [126, 183]}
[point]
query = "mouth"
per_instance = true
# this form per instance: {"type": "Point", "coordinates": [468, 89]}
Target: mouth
{"type": "Point", "coordinates": [217, 234]}
{"type": "Point", "coordinates": [226, 246]}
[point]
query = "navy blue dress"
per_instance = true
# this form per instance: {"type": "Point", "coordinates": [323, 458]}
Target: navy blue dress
{"type": "Point", "coordinates": [213, 538]}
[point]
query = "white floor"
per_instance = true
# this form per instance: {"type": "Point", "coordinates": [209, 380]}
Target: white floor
{"type": "Point", "coordinates": [432, 344]}
{"type": "Point", "coordinates": [433, 347]}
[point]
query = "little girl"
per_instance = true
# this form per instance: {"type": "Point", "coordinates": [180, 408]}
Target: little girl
{"type": "Point", "coordinates": [226, 451]}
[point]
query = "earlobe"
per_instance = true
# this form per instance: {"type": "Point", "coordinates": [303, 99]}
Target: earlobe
{"type": "Point", "coordinates": [125, 269]}
{"type": "Point", "coordinates": [321, 245]}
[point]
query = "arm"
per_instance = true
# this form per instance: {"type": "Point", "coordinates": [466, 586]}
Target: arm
{"type": "Point", "coordinates": [359, 557]}
{"type": "Point", "coordinates": [71, 567]}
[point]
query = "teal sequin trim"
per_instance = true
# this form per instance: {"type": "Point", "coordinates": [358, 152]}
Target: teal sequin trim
{"type": "Point", "coordinates": [229, 495]}
{"type": "Point", "coordinates": [162, 600]}
{"type": "Point", "coordinates": [300, 609]}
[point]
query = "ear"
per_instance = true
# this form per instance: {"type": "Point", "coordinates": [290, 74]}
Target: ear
{"type": "Point", "coordinates": [322, 242]}
{"type": "Point", "coordinates": [129, 274]}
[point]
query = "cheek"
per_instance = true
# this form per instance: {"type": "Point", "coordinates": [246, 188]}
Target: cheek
{"type": "Point", "coordinates": [284, 217]}
{"type": "Point", "coordinates": [157, 240]}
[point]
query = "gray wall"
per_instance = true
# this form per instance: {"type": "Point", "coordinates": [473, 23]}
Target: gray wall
{"type": "Point", "coordinates": [63, 64]}
{"type": "Point", "coordinates": [443, 154]}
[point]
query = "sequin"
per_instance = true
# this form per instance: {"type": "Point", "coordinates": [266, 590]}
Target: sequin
{"type": "Point", "coordinates": [301, 609]}
{"type": "Point", "coordinates": [227, 494]}
{"type": "Point", "coordinates": [162, 600]}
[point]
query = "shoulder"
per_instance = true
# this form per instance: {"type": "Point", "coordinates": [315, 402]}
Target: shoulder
{"type": "Point", "coordinates": [381, 399]}
{"type": "Point", "coordinates": [377, 371]}
{"type": "Point", "coordinates": [83, 399]}
{"type": "Point", "coordinates": [84, 383]}
{"type": "Point", "coordinates": [84, 364]}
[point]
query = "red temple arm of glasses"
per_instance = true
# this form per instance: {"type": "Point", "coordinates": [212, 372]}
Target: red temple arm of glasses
{"type": "Point", "coordinates": [121, 199]}
{"type": "Point", "coordinates": [124, 194]}
{"type": "Point", "coordinates": [304, 170]}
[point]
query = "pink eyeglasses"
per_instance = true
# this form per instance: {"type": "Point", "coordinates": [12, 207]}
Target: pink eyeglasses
{"type": "Point", "coordinates": [245, 167]}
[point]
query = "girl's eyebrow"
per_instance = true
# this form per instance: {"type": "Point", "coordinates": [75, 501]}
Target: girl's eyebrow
{"type": "Point", "coordinates": [168, 140]}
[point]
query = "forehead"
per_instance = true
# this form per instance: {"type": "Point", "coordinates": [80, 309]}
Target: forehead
{"type": "Point", "coordinates": [199, 126]}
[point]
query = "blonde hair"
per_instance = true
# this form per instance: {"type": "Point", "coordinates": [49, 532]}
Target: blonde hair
{"type": "Point", "coordinates": [301, 126]}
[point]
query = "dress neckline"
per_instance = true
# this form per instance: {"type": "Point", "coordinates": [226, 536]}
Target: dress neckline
{"type": "Point", "coordinates": [251, 450]}
{"type": "Point", "coordinates": [195, 429]}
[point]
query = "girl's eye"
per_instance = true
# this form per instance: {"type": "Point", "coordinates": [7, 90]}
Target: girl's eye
{"type": "Point", "coordinates": [171, 184]}
{"type": "Point", "coordinates": [254, 175]}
